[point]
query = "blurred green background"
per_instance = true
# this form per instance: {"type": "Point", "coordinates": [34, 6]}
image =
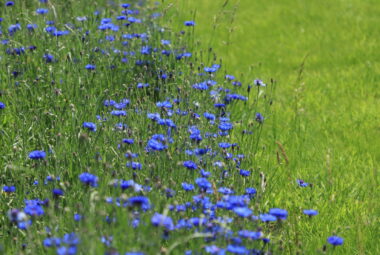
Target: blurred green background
{"type": "Point", "coordinates": [324, 56]}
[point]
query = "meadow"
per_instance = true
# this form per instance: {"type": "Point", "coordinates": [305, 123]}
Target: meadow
{"type": "Point", "coordinates": [189, 127]}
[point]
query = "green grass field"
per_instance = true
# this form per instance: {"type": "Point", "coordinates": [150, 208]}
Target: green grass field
{"type": "Point", "coordinates": [324, 56]}
{"type": "Point", "coordinates": [320, 61]}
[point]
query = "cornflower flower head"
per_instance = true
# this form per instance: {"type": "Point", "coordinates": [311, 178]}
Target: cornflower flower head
{"type": "Point", "coordinates": [35, 155]}
{"type": "Point", "coordinates": [335, 240]}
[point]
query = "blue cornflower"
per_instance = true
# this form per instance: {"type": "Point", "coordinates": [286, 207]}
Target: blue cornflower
{"type": "Point", "coordinates": [134, 20]}
{"type": "Point", "coordinates": [210, 69]}
{"type": "Point", "coordinates": [230, 77]}
{"type": "Point", "coordinates": [244, 173]}
{"type": "Point", "coordinates": [159, 137]}
{"type": "Point", "coordinates": [141, 201]}
{"type": "Point", "coordinates": [13, 28]}
{"type": "Point", "coordinates": [164, 76]}
{"type": "Point", "coordinates": [2, 105]}
{"type": "Point", "coordinates": [335, 240]}
{"type": "Point", "coordinates": [126, 184]}
{"type": "Point", "coordinates": [279, 213]}
{"type": "Point", "coordinates": [48, 179]}
{"type": "Point", "coordinates": [230, 97]}
{"type": "Point", "coordinates": [31, 27]}
{"type": "Point", "coordinates": [154, 116]}
{"type": "Point", "coordinates": [189, 23]}
{"type": "Point", "coordinates": [109, 102]}
{"type": "Point", "coordinates": [209, 116]}
{"type": "Point", "coordinates": [42, 11]}
{"type": "Point", "coordinates": [129, 141]}
{"type": "Point", "coordinates": [181, 208]}
{"type": "Point", "coordinates": [205, 173]}
{"type": "Point", "coordinates": [60, 33]}
{"type": "Point", "coordinates": [122, 104]}
{"type": "Point", "coordinates": [310, 212]}
{"type": "Point", "coordinates": [167, 122]}
{"type": "Point", "coordinates": [165, 42]}
{"type": "Point", "coordinates": [258, 82]}
{"type": "Point", "coordinates": [196, 221]}
{"type": "Point", "coordinates": [225, 191]}
{"type": "Point", "coordinates": [32, 48]}
{"type": "Point", "coordinates": [155, 145]}
{"type": "Point", "coordinates": [187, 186]}
{"type": "Point", "coordinates": [213, 249]}
{"type": "Point", "coordinates": [48, 58]}
{"type": "Point", "coordinates": [9, 3]}
{"type": "Point", "coordinates": [236, 249]}
{"type": "Point", "coordinates": [225, 126]}
{"type": "Point", "coordinates": [37, 155]}
{"type": "Point", "coordinates": [162, 220]}
{"type": "Point", "coordinates": [259, 118]}
{"type": "Point", "coordinates": [267, 217]}
{"type": "Point", "coordinates": [165, 104]}
{"type": "Point", "coordinates": [90, 67]}
{"type": "Point", "coordinates": [118, 113]}
{"type": "Point", "coordinates": [9, 189]}
{"type": "Point", "coordinates": [203, 183]}
{"type": "Point", "coordinates": [250, 234]}
{"type": "Point", "coordinates": [141, 85]}
{"type": "Point", "coordinates": [200, 151]}
{"type": "Point", "coordinates": [183, 55]}
{"type": "Point", "coordinates": [145, 50]}
{"type": "Point", "coordinates": [125, 5]}
{"type": "Point", "coordinates": [90, 126]}
{"type": "Point", "coordinates": [24, 224]}
{"type": "Point", "coordinates": [51, 242]}
{"type": "Point", "coordinates": [134, 165]}
{"type": "Point", "coordinates": [121, 126]}
{"type": "Point", "coordinates": [63, 250]}
{"type": "Point", "coordinates": [301, 183]}
{"type": "Point", "coordinates": [50, 29]}
{"type": "Point", "coordinates": [250, 192]}
{"type": "Point", "coordinates": [71, 239]}
{"type": "Point", "coordinates": [224, 145]}
{"type": "Point", "coordinates": [242, 211]}
{"type": "Point", "coordinates": [196, 137]}
{"type": "Point", "coordinates": [236, 201]}
{"type": "Point", "coordinates": [57, 192]}
{"type": "Point", "coordinates": [34, 208]}
{"type": "Point", "coordinates": [106, 21]}
{"type": "Point", "coordinates": [89, 179]}
{"type": "Point", "coordinates": [219, 105]}
{"type": "Point", "coordinates": [107, 240]}
{"type": "Point", "coordinates": [190, 165]}
{"type": "Point", "coordinates": [200, 86]}
{"type": "Point", "coordinates": [110, 38]}
{"type": "Point", "coordinates": [77, 217]}
{"type": "Point", "coordinates": [121, 17]}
